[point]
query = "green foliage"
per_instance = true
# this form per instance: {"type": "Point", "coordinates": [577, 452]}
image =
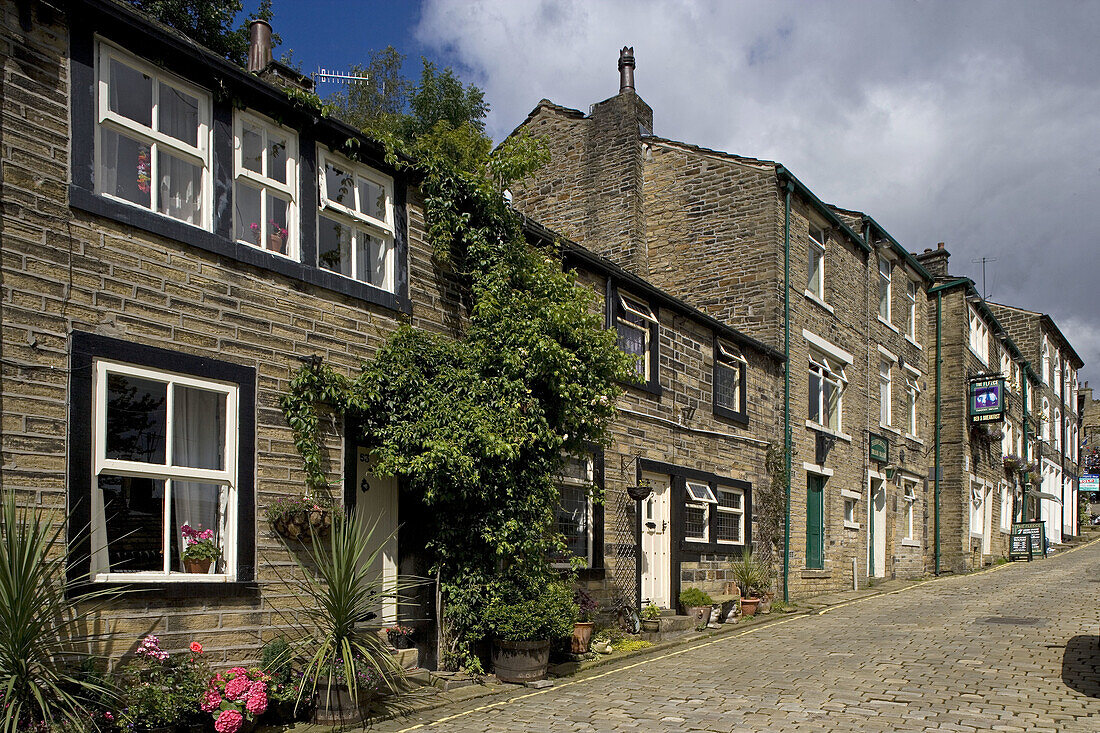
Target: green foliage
{"type": "Point", "coordinates": [210, 23]}
{"type": "Point", "coordinates": [376, 106]}
{"type": "Point", "coordinates": [287, 506]}
{"type": "Point", "coordinates": [770, 501]}
{"type": "Point", "coordinates": [753, 575]}
{"type": "Point", "coordinates": [336, 625]}
{"type": "Point", "coordinates": [630, 645]}
{"type": "Point", "coordinates": [541, 612]}
{"type": "Point", "coordinates": [44, 635]}
{"type": "Point", "coordinates": [162, 693]}
{"type": "Point", "coordinates": [694, 597]}
{"type": "Point", "coordinates": [651, 612]}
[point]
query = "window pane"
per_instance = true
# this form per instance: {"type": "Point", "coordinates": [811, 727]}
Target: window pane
{"type": "Point", "coordinates": [371, 258]}
{"type": "Point", "coordinates": [180, 192]}
{"type": "Point", "coordinates": [372, 199]}
{"type": "Point", "coordinates": [576, 469]}
{"type": "Point", "coordinates": [832, 400]}
{"type": "Point", "coordinates": [130, 93]}
{"type": "Point", "coordinates": [201, 507]}
{"type": "Point", "coordinates": [252, 148]}
{"type": "Point", "coordinates": [133, 513]}
{"type": "Point", "coordinates": [246, 200]}
{"type": "Point", "coordinates": [814, 411]}
{"type": "Point", "coordinates": [276, 157]}
{"type": "Point", "coordinates": [573, 519]}
{"type": "Point", "coordinates": [727, 387]}
{"type": "Point", "coordinates": [334, 246]}
{"type": "Point", "coordinates": [136, 419]}
{"type": "Point", "coordinates": [729, 526]}
{"type": "Point", "coordinates": [815, 264]}
{"type": "Point", "coordinates": [339, 186]}
{"type": "Point", "coordinates": [632, 341]}
{"type": "Point", "coordinates": [884, 299]}
{"type": "Point", "coordinates": [178, 114]}
{"type": "Point", "coordinates": [198, 428]}
{"type": "Point", "coordinates": [695, 518]}
{"type": "Point", "coordinates": [124, 168]}
{"type": "Point", "coordinates": [276, 223]}
{"type": "Point", "coordinates": [729, 499]}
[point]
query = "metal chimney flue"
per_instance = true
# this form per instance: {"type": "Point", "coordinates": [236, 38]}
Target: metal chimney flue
{"type": "Point", "coordinates": [626, 68]}
{"type": "Point", "coordinates": [259, 45]}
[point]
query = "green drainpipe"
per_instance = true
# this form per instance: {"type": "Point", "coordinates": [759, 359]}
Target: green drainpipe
{"type": "Point", "coordinates": [1026, 475]}
{"type": "Point", "coordinates": [939, 361]}
{"type": "Point", "coordinates": [787, 389]}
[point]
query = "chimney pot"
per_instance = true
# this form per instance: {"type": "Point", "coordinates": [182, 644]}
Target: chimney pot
{"type": "Point", "coordinates": [259, 45]}
{"type": "Point", "coordinates": [927, 249]}
{"type": "Point", "coordinates": [626, 68]}
{"type": "Point", "coordinates": [939, 245]}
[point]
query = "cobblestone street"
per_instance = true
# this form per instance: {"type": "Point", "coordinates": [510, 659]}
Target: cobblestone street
{"type": "Point", "coordinates": [1012, 649]}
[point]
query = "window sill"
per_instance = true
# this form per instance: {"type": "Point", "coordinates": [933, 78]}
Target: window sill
{"type": "Point", "coordinates": [822, 429]}
{"type": "Point", "coordinates": [196, 591]}
{"type": "Point", "coordinates": [914, 439]}
{"type": "Point", "coordinates": [815, 573]}
{"type": "Point", "coordinates": [851, 525]}
{"type": "Point", "coordinates": [905, 542]}
{"type": "Point", "coordinates": [740, 418]}
{"type": "Point", "coordinates": [849, 494]}
{"type": "Point", "coordinates": [977, 356]}
{"type": "Point", "coordinates": [810, 296]}
{"type": "Point", "coordinates": [247, 254]}
{"type": "Point", "coordinates": [914, 343]}
{"type": "Point", "coordinates": [889, 325]}
{"type": "Point", "coordinates": [647, 387]}
{"type": "Point", "coordinates": [890, 429]}
{"type": "Point", "coordinates": [817, 469]}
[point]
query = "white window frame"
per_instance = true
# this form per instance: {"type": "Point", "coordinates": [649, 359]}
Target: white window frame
{"type": "Point", "coordinates": [166, 472]}
{"type": "Point", "coordinates": [1046, 420]}
{"type": "Point", "coordinates": [816, 253]}
{"type": "Point", "coordinates": [1046, 361]}
{"type": "Point", "coordinates": [1057, 429]}
{"type": "Point", "coordinates": [912, 397]}
{"type": "Point", "coordinates": [701, 500]}
{"type": "Point", "coordinates": [359, 222]}
{"type": "Point", "coordinates": [739, 513]}
{"type": "Point", "coordinates": [639, 308]}
{"type": "Point", "coordinates": [979, 335]}
{"type": "Point", "coordinates": [198, 154]}
{"type": "Point", "coordinates": [885, 289]}
{"type": "Point", "coordinates": [586, 484]}
{"type": "Point", "coordinates": [731, 358]}
{"type": "Point", "coordinates": [851, 501]}
{"type": "Point", "coordinates": [977, 507]}
{"type": "Point", "coordinates": [1006, 507]}
{"type": "Point", "coordinates": [261, 181]}
{"type": "Point", "coordinates": [911, 290]}
{"type": "Point", "coordinates": [885, 392]}
{"type": "Point", "coordinates": [828, 371]}
{"type": "Point", "coordinates": [909, 496]}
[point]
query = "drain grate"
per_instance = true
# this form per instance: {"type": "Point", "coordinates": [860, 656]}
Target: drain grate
{"type": "Point", "coordinates": [1011, 620]}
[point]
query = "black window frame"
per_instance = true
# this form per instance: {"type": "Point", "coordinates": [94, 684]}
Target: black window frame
{"type": "Point", "coordinates": [613, 311]}
{"type": "Point", "coordinates": [84, 349]}
{"type": "Point", "coordinates": [741, 417]}
{"type": "Point", "coordinates": [229, 88]}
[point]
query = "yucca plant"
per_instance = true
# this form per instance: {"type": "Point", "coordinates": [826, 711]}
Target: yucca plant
{"type": "Point", "coordinates": [337, 625]}
{"type": "Point", "coordinates": [43, 635]}
{"type": "Point", "coordinates": [752, 575]}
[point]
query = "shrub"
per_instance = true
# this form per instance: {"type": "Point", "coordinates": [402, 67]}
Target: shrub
{"type": "Point", "coordinates": [546, 612]}
{"type": "Point", "coordinates": [652, 611]}
{"type": "Point", "coordinates": [753, 576]}
{"type": "Point", "coordinates": [586, 605]}
{"type": "Point", "coordinates": [693, 597]}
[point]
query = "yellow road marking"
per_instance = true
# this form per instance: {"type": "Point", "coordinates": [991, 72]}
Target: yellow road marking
{"type": "Point", "coordinates": [721, 638]}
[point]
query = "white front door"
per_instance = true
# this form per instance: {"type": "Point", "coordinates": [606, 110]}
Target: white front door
{"type": "Point", "coordinates": [656, 556]}
{"type": "Point", "coordinates": [376, 506]}
{"type": "Point", "coordinates": [987, 526]}
{"type": "Point", "coordinates": [878, 528]}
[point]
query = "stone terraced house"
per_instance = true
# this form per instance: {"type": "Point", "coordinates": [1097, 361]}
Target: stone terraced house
{"type": "Point", "coordinates": [179, 238]}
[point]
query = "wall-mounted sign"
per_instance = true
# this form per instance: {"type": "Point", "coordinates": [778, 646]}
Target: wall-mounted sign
{"type": "Point", "coordinates": [1090, 482]}
{"type": "Point", "coordinates": [878, 448]}
{"type": "Point", "coordinates": [987, 400]}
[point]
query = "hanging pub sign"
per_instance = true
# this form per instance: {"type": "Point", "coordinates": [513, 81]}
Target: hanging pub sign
{"type": "Point", "coordinates": [987, 400]}
{"type": "Point", "coordinates": [878, 448]}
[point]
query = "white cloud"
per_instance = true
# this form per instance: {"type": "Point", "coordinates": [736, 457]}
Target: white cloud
{"type": "Point", "coordinates": [971, 123]}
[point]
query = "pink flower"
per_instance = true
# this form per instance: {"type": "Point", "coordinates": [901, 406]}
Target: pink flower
{"type": "Point", "coordinates": [211, 701]}
{"type": "Point", "coordinates": [237, 688]}
{"type": "Point", "coordinates": [235, 672]}
{"type": "Point", "coordinates": [229, 721]}
{"type": "Point", "coordinates": [196, 647]}
{"type": "Point", "coordinates": [256, 704]}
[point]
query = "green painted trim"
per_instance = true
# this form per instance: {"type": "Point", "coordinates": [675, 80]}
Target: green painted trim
{"type": "Point", "coordinates": [787, 391]}
{"type": "Point", "coordinates": [905, 254]}
{"type": "Point", "coordinates": [819, 206]}
{"type": "Point", "coordinates": [936, 475]}
{"type": "Point", "coordinates": [1027, 461]}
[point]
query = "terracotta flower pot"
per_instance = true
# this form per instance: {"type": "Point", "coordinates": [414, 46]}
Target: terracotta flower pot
{"type": "Point", "coordinates": [582, 636]}
{"type": "Point", "coordinates": [749, 606]}
{"type": "Point", "coordinates": [197, 566]}
{"type": "Point", "coordinates": [276, 243]}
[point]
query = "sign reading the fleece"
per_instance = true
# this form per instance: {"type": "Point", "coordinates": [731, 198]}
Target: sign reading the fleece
{"type": "Point", "coordinates": [987, 400]}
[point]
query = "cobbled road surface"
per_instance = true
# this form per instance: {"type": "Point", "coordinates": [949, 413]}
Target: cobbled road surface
{"type": "Point", "coordinates": [1010, 649]}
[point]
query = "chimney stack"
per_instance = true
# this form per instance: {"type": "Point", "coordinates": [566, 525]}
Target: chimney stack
{"type": "Point", "coordinates": [626, 69]}
{"type": "Point", "coordinates": [259, 45]}
{"type": "Point", "coordinates": [935, 260]}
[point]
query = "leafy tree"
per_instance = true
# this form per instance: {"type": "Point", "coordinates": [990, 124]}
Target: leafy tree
{"type": "Point", "coordinates": [378, 104]}
{"type": "Point", "coordinates": [210, 23]}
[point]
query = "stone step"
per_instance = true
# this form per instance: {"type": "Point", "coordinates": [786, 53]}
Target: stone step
{"type": "Point", "coordinates": [676, 623]}
{"type": "Point", "coordinates": [407, 658]}
{"type": "Point", "coordinates": [447, 681]}
{"type": "Point", "coordinates": [418, 676]}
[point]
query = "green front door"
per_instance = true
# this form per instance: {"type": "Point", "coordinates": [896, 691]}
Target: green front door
{"type": "Point", "coordinates": [815, 526]}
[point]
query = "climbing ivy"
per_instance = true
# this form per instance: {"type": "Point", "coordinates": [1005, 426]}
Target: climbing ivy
{"type": "Point", "coordinates": [769, 506]}
{"type": "Point", "coordinates": [478, 426]}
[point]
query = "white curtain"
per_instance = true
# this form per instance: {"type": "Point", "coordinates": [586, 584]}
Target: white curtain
{"type": "Point", "coordinates": [198, 437]}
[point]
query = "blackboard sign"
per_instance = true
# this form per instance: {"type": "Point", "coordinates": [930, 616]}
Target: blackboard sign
{"type": "Point", "coordinates": [1020, 548]}
{"type": "Point", "coordinates": [1038, 533]}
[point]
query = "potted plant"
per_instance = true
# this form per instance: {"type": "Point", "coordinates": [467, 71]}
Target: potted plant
{"type": "Point", "coordinates": [400, 637]}
{"type": "Point", "coordinates": [754, 578]}
{"type": "Point", "coordinates": [236, 698]}
{"type": "Point", "coordinates": [523, 622]}
{"type": "Point", "coordinates": [342, 658]}
{"type": "Point", "coordinates": [160, 693]}
{"type": "Point", "coordinates": [276, 240]}
{"type": "Point", "coordinates": [584, 625]}
{"type": "Point", "coordinates": [282, 692]}
{"type": "Point", "coordinates": [199, 548]}
{"type": "Point", "coordinates": [651, 618]}
{"type": "Point", "coordinates": [304, 517]}
{"type": "Point", "coordinates": [1012, 462]}
{"type": "Point", "coordinates": [697, 604]}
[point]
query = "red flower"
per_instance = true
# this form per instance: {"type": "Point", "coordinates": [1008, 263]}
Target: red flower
{"type": "Point", "coordinates": [196, 647]}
